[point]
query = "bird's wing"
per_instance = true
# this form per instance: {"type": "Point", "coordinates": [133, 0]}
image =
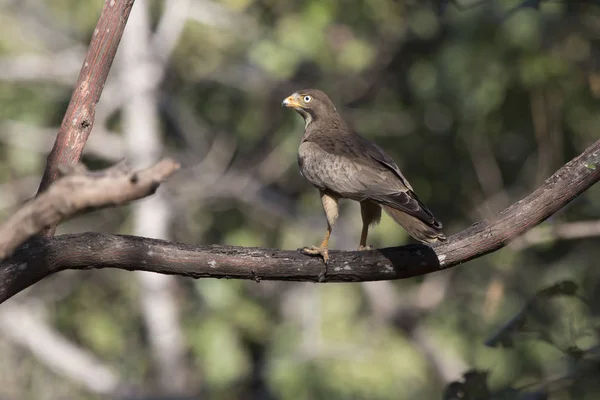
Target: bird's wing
{"type": "Point", "coordinates": [357, 169]}
{"type": "Point", "coordinates": [380, 156]}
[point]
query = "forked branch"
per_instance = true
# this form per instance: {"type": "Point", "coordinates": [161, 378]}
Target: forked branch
{"type": "Point", "coordinates": [80, 190]}
{"type": "Point", "coordinates": [79, 117]}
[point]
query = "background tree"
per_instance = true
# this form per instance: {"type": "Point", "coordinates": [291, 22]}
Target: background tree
{"type": "Point", "coordinates": [488, 100]}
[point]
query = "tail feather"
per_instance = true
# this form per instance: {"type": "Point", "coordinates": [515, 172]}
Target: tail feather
{"type": "Point", "coordinates": [420, 230]}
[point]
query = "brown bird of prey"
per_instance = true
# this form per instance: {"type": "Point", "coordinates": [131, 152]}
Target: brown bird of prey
{"type": "Point", "coordinates": [342, 164]}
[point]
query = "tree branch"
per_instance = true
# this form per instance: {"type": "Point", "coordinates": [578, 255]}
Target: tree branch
{"type": "Point", "coordinates": [77, 192]}
{"type": "Point", "coordinates": [79, 117]}
{"type": "Point", "coordinates": [63, 357]}
{"type": "Point", "coordinates": [45, 256]}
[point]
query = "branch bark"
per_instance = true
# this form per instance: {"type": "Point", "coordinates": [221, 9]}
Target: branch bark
{"type": "Point", "coordinates": [45, 256]}
{"type": "Point", "coordinates": [79, 117]}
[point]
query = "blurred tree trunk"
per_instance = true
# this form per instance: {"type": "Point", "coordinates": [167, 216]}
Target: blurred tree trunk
{"type": "Point", "coordinates": [152, 216]}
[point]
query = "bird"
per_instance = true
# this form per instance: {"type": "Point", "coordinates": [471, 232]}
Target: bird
{"type": "Point", "coordinates": [342, 164]}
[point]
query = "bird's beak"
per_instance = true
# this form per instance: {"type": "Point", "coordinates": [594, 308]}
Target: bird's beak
{"type": "Point", "coordinates": [291, 102]}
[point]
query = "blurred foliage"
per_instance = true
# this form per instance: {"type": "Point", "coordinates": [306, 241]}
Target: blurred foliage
{"type": "Point", "coordinates": [477, 101]}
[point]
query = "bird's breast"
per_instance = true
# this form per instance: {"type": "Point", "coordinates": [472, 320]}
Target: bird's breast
{"type": "Point", "coordinates": [311, 167]}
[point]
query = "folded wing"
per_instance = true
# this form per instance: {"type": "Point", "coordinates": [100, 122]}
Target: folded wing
{"type": "Point", "coordinates": [361, 172]}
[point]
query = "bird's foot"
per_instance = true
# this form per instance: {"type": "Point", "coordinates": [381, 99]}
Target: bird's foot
{"type": "Point", "coordinates": [364, 248]}
{"type": "Point", "coordinates": [318, 251]}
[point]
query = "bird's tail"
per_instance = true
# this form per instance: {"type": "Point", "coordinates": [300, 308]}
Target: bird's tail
{"type": "Point", "coordinates": [420, 230]}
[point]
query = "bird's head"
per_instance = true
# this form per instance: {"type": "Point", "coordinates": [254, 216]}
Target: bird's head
{"type": "Point", "coordinates": [312, 104]}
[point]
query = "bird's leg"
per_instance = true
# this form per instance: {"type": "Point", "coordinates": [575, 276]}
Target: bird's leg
{"type": "Point", "coordinates": [371, 214]}
{"type": "Point", "coordinates": [363, 238]}
{"type": "Point", "coordinates": [330, 206]}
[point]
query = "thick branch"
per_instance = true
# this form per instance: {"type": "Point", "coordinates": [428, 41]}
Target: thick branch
{"type": "Point", "coordinates": [94, 250]}
{"type": "Point", "coordinates": [79, 117]}
{"type": "Point", "coordinates": [80, 191]}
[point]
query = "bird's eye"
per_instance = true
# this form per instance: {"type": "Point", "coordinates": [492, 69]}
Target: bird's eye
{"type": "Point", "coordinates": [307, 99]}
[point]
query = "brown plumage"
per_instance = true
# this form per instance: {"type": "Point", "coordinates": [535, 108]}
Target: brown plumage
{"type": "Point", "coordinates": [342, 164]}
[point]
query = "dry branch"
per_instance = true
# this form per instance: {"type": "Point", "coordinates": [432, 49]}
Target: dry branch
{"type": "Point", "coordinates": [80, 191]}
{"type": "Point", "coordinates": [44, 256]}
{"type": "Point", "coordinates": [79, 117]}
